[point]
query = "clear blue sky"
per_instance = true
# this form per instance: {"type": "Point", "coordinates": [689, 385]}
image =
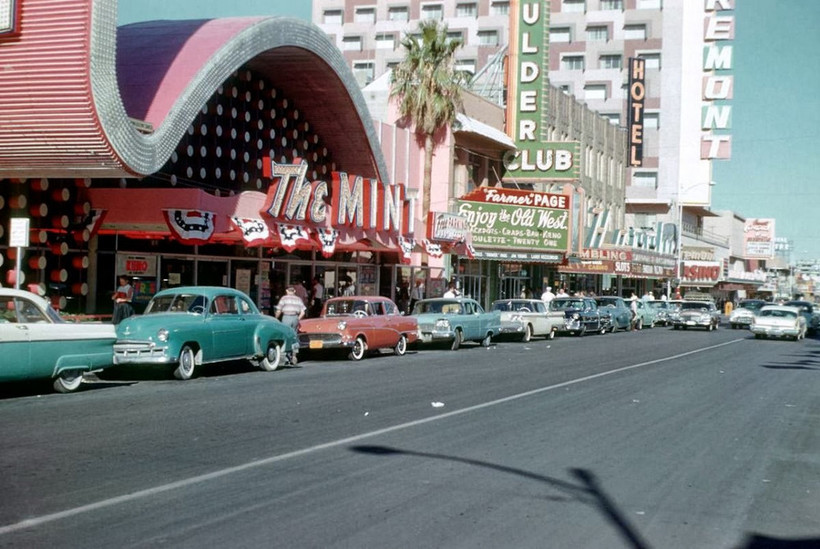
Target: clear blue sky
{"type": "Point", "coordinates": [131, 11]}
{"type": "Point", "coordinates": [775, 166]}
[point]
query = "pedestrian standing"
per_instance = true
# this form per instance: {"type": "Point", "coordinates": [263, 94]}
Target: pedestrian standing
{"type": "Point", "coordinates": [317, 297]}
{"type": "Point", "coordinates": [122, 300]}
{"type": "Point", "coordinates": [417, 293]}
{"type": "Point", "coordinates": [290, 309]}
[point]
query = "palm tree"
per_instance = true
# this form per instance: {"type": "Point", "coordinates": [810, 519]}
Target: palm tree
{"type": "Point", "coordinates": [428, 89]}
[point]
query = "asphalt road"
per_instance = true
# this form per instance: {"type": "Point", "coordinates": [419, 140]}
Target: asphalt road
{"type": "Point", "coordinates": [653, 439]}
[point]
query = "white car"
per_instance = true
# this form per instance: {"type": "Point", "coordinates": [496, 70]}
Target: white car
{"type": "Point", "coordinates": [779, 321]}
{"type": "Point", "coordinates": [525, 318]}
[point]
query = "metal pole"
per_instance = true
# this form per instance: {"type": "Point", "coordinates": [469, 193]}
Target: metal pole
{"type": "Point", "coordinates": [18, 268]}
{"type": "Point", "coordinates": [680, 243]}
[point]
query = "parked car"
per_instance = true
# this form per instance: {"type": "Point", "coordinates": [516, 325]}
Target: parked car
{"type": "Point", "coordinates": [581, 315]}
{"type": "Point", "coordinates": [697, 314]}
{"type": "Point", "coordinates": [358, 324]}
{"type": "Point", "coordinates": [190, 326]}
{"type": "Point", "coordinates": [525, 318]}
{"type": "Point", "coordinates": [646, 315]}
{"type": "Point", "coordinates": [455, 320]}
{"type": "Point", "coordinates": [673, 311]}
{"type": "Point", "coordinates": [779, 321]}
{"type": "Point", "coordinates": [35, 342]}
{"type": "Point", "coordinates": [743, 315]}
{"type": "Point", "coordinates": [662, 309]}
{"type": "Point", "coordinates": [615, 313]}
{"type": "Point", "coordinates": [807, 310]}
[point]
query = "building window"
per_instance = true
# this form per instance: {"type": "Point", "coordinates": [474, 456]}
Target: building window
{"type": "Point", "coordinates": [455, 35]}
{"type": "Point", "coordinates": [612, 4]}
{"type": "Point", "coordinates": [651, 120]}
{"type": "Point", "coordinates": [465, 65]}
{"type": "Point", "coordinates": [645, 179]}
{"type": "Point", "coordinates": [365, 15]}
{"type": "Point", "coordinates": [635, 32]}
{"type": "Point", "coordinates": [652, 60]}
{"type": "Point", "coordinates": [487, 38]}
{"type": "Point", "coordinates": [332, 17]}
{"type": "Point", "coordinates": [595, 92]}
{"type": "Point", "coordinates": [500, 7]}
{"type": "Point", "coordinates": [385, 42]}
{"type": "Point", "coordinates": [613, 117]}
{"type": "Point", "coordinates": [432, 11]}
{"type": "Point", "coordinates": [646, 221]}
{"type": "Point", "coordinates": [572, 63]}
{"type": "Point", "coordinates": [398, 14]}
{"type": "Point", "coordinates": [364, 71]}
{"type": "Point", "coordinates": [392, 65]}
{"type": "Point", "coordinates": [650, 4]}
{"type": "Point", "coordinates": [573, 6]}
{"type": "Point", "coordinates": [352, 43]}
{"type": "Point", "coordinates": [610, 62]}
{"type": "Point", "coordinates": [466, 10]}
{"type": "Point", "coordinates": [598, 34]}
{"type": "Point", "coordinates": [560, 35]}
{"type": "Point", "coordinates": [566, 88]}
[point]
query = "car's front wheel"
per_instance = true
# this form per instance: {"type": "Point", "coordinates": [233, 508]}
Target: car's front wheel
{"type": "Point", "coordinates": [527, 334]}
{"type": "Point", "coordinates": [68, 381]}
{"type": "Point", "coordinates": [359, 349]}
{"type": "Point", "coordinates": [187, 363]}
{"type": "Point", "coordinates": [456, 341]}
{"type": "Point", "coordinates": [401, 346]}
{"type": "Point", "coordinates": [487, 340]}
{"type": "Point", "coordinates": [272, 358]}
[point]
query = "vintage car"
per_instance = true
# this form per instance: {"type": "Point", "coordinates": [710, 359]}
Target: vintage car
{"type": "Point", "coordinates": [524, 318]}
{"type": "Point", "coordinates": [646, 316]}
{"type": "Point", "coordinates": [662, 309]}
{"type": "Point", "coordinates": [358, 324]}
{"type": "Point", "coordinates": [189, 326]}
{"type": "Point", "coordinates": [614, 312]}
{"type": "Point", "coordinates": [743, 315]}
{"type": "Point", "coordinates": [455, 320]}
{"type": "Point", "coordinates": [581, 315]}
{"type": "Point", "coordinates": [807, 310]}
{"type": "Point", "coordinates": [697, 314]}
{"type": "Point", "coordinates": [35, 342]}
{"type": "Point", "coordinates": [673, 311]}
{"type": "Point", "coordinates": [778, 321]}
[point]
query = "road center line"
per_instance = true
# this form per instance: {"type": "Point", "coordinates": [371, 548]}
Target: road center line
{"type": "Point", "coordinates": [96, 506]}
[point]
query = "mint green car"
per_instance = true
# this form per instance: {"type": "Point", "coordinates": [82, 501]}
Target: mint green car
{"type": "Point", "coordinates": [455, 320]}
{"type": "Point", "coordinates": [189, 326]}
{"type": "Point", "coordinates": [35, 342]}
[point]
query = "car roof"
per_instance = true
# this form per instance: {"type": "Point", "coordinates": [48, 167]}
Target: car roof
{"type": "Point", "coordinates": [780, 308]}
{"type": "Point", "coordinates": [204, 290]}
{"type": "Point", "coordinates": [13, 292]}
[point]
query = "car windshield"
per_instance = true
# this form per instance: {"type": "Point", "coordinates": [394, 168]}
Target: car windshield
{"type": "Point", "coordinates": [802, 305]}
{"type": "Point", "coordinates": [777, 313]}
{"type": "Point", "coordinates": [566, 303]}
{"type": "Point", "coordinates": [513, 306]}
{"type": "Point", "coordinates": [437, 307]}
{"type": "Point", "coordinates": [694, 306]}
{"type": "Point", "coordinates": [603, 302]}
{"type": "Point", "coordinates": [177, 303]}
{"type": "Point", "coordinates": [657, 304]}
{"type": "Point", "coordinates": [752, 305]}
{"type": "Point", "coordinates": [346, 307]}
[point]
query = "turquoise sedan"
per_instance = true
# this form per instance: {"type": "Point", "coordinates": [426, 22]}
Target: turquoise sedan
{"type": "Point", "coordinates": [189, 326]}
{"type": "Point", "coordinates": [455, 320]}
{"type": "Point", "coordinates": [35, 342]}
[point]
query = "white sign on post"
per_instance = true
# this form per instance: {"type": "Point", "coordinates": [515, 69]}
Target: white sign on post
{"type": "Point", "coordinates": [19, 233]}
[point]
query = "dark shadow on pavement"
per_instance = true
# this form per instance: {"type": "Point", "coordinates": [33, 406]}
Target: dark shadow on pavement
{"type": "Point", "coordinates": [758, 541]}
{"type": "Point", "coordinates": [587, 490]}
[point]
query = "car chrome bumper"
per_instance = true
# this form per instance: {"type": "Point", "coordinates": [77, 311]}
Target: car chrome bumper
{"type": "Point", "coordinates": [775, 332]}
{"type": "Point", "coordinates": [429, 337]}
{"type": "Point", "coordinates": [141, 352]}
{"type": "Point", "coordinates": [324, 341]}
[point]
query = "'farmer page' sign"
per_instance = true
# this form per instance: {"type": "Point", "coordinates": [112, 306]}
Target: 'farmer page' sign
{"type": "Point", "coordinates": [511, 219]}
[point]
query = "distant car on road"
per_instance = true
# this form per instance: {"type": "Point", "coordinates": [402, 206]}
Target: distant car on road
{"type": "Point", "coordinates": [697, 314]}
{"type": "Point", "coordinates": [807, 309]}
{"type": "Point", "coordinates": [662, 309]}
{"type": "Point", "coordinates": [646, 315]}
{"type": "Point", "coordinates": [581, 315]}
{"type": "Point", "coordinates": [358, 324]}
{"type": "Point", "coordinates": [779, 321]}
{"type": "Point", "coordinates": [194, 325]}
{"type": "Point", "coordinates": [743, 315]}
{"type": "Point", "coordinates": [35, 342]}
{"type": "Point", "coordinates": [455, 320]}
{"type": "Point", "coordinates": [526, 318]}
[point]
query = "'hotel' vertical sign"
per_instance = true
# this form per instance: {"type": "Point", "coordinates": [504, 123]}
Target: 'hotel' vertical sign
{"type": "Point", "coordinates": [9, 17]}
{"type": "Point", "coordinates": [637, 94]}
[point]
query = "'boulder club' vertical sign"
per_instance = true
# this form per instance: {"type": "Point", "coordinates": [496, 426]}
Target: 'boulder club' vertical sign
{"type": "Point", "coordinates": [637, 94]}
{"type": "Point", "coordinates": [527, 84]}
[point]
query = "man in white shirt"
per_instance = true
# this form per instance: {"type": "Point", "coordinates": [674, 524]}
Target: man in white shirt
{"type": "Point", "coordinates": [547, 296]}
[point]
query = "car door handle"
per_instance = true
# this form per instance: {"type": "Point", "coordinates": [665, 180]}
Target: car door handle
{"type": "Point", "coordinates": [21, 327]}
